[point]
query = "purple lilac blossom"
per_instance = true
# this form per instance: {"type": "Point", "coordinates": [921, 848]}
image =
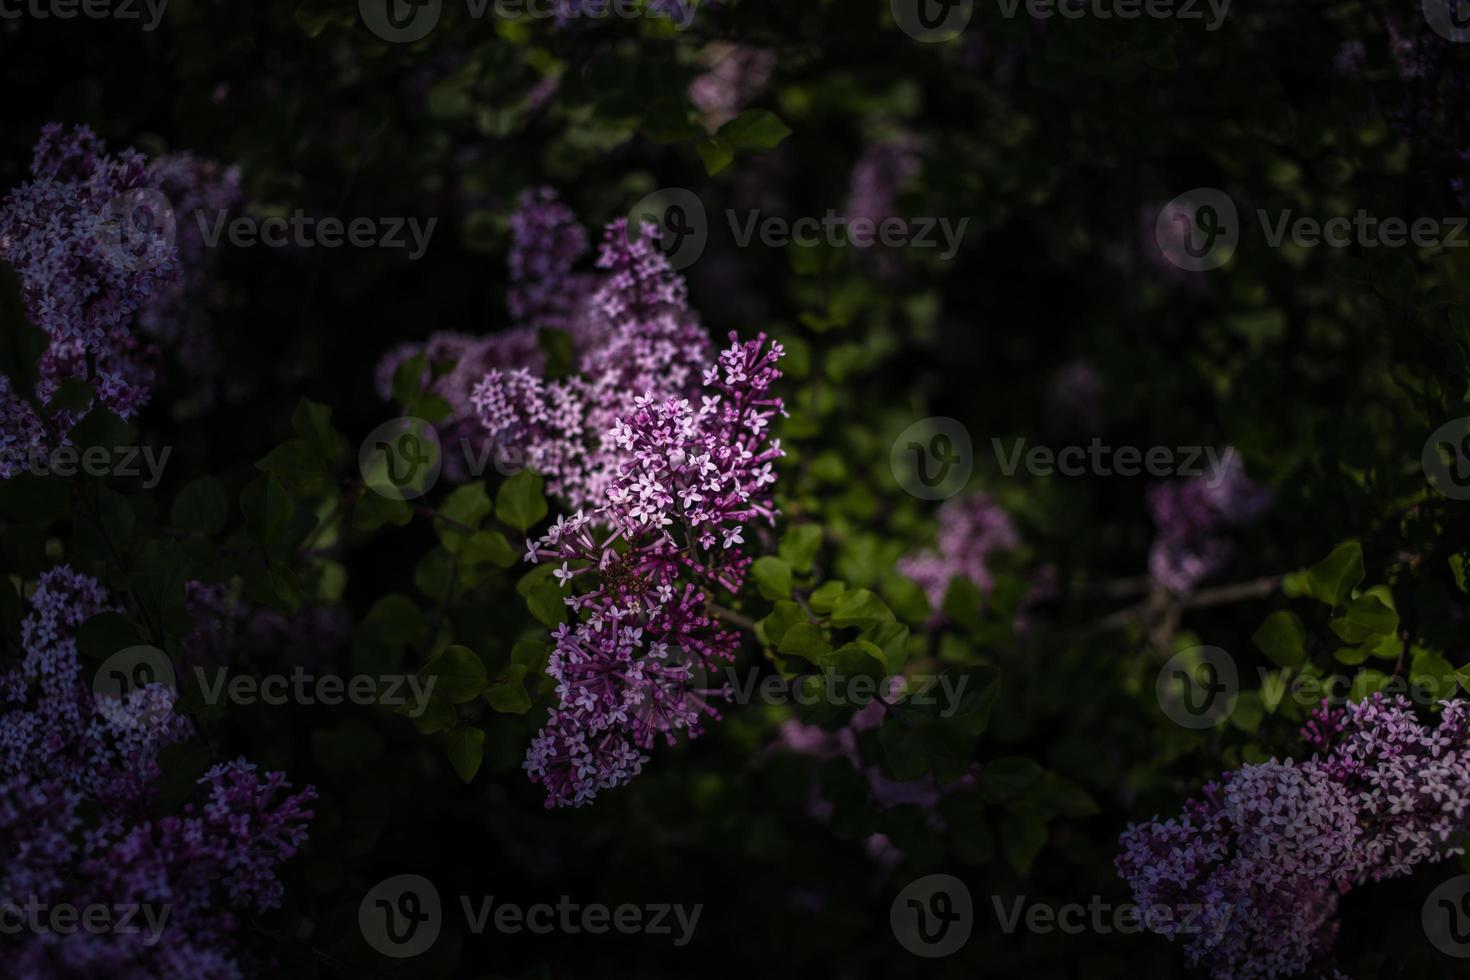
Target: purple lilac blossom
{"type": "Point", "coordinates": [635, 336]}
{"type": "Point", "coordinates": [971, 531]}
{"type": "Point", "coordinates": [1268, 851]}
{"type": "Point", "coordinates": [879, 175]}
{"type": "Point", "coordinates": [737, 74]}
{"type": "Point", "coordinates": [1191, 516]}
{"type": "Point", "coordinates": [179, 315]}
{"type": "Point", "coordinates": [632, 667]}
{"type": "Point", "coordinates": [77, 776]}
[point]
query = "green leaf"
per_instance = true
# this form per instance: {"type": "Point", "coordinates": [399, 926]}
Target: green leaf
{"type": "Point", "coordinates": [488, 545]}
{"type": "Point", "coordinates": [1333, 579]}
{"type": "Point", "coordinates": [860, 608]}
{"type": "Point", "coordinates": [298, 465]}
{"type": "Point", "coordinates": [824, 597]}
{"type": "Point", "coordinates": [1430, 671]}
{"type": "Point", "coordinates": [806, 641]}
{"type": "Point", "coordinates": [202, 507]}
{"type": "Point", "coordinates": [395, 619]}
{"type": "Point", "coordinates": [857, 659]}
{"type": "Point", "coordinates": [267, 509]}
{"type": "Point", "coordinates": [466, 748]}
{"type": "Point", "coordinates": [1370, 614]}
{"type": "Point", "coordinates": [1007, 777]}
{"type": "Point", "coordinates": [1457, 567]}
{"type": "Point", "coordinates": [521, 501]}
{"type": "Point", "coordinates": [1022, 836]}
{"type": "Point", "coordinates": [785, 615]}
{"type": "Point", "coordinates": [373, 510]}
{"type": "Point", "coordinates": [799, 546]}
{"type": "Point", "coordinates": [543, 596]}
{"type": "Point", "coordinates": [459, 675]}
{"type": "Point", "coordinates": [313, 423]}
{"type": "Point", "coordinates": [432, 715]}
{"type": "Point", "coordinates": [772, 577]}
{"type": "Point", "coordinates": [1282, 638]}
{"type": "Point", "coordinates": [754, 129]}
{"type": "Point", "coordinates": [508, 694]}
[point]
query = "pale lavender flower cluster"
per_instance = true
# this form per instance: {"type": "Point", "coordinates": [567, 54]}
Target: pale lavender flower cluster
{"type": "Point", "coordinates": [179, 314]}
{"type": "Point", "coordinates": [1268, 851]}
{"type": "Point", "coordinates": [635, 335]}
{"type": "Point", "coordinates": [880, 175]}
{"type": "Point", "coordinates": [1192, 515]}
{"type": "Point", "coordinates": [78, 772]}
{"type": "Point", "coordinates": [736, 74]}
{"type": "Point", "coordinates": [632, 668]}
{"type": "Point", "coordinates": [93, 239]}
{"type": "Point", "coordinates": [972, 530]}
{"type": "Point", "coordinates": [547, 242]}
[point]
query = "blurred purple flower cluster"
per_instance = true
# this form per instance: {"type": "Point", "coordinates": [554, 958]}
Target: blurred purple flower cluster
{"type": "Point", "coordinates": [1267, 851]}
{"type": "Point", "coordinates": [689, 480]}
{"type": "Point", "coordinates": [79, 772]}
{"type": "Point", "coordinates": [1191, 516]}
{"type": "Point", "coordinates": [93, 240]}
{"type": "Point", "coordinates": [972, 530]}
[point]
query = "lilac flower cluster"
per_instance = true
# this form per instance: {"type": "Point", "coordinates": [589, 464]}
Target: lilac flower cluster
{"type": "Point", "coordinates": [86, 264]}
{"type": "Point", "coordinates": [635, 335]}
{"type": "Point", "coordinates": [1191, 516]}
{"type": "Point", "coordinates": [880, 175]}
{"type": "Point", "coordinates": [819, 743]}
{"type": "Point", "coordinates": [737, 73]}
{"type": "Point", "coordinates": [1269, 849]}
{"type": "Point", "coordinates": [631, 668]}
{"type": "Point", "coordinates": [547, 242]}
{"type": "Point", "coordinates": [93, 240]}
{"type": "Point", "coordinates": [179, 315]}
{"type": "Point", "coordinates": [971, 531]}
{"type": "Point", "coordinates": [78, 772]}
